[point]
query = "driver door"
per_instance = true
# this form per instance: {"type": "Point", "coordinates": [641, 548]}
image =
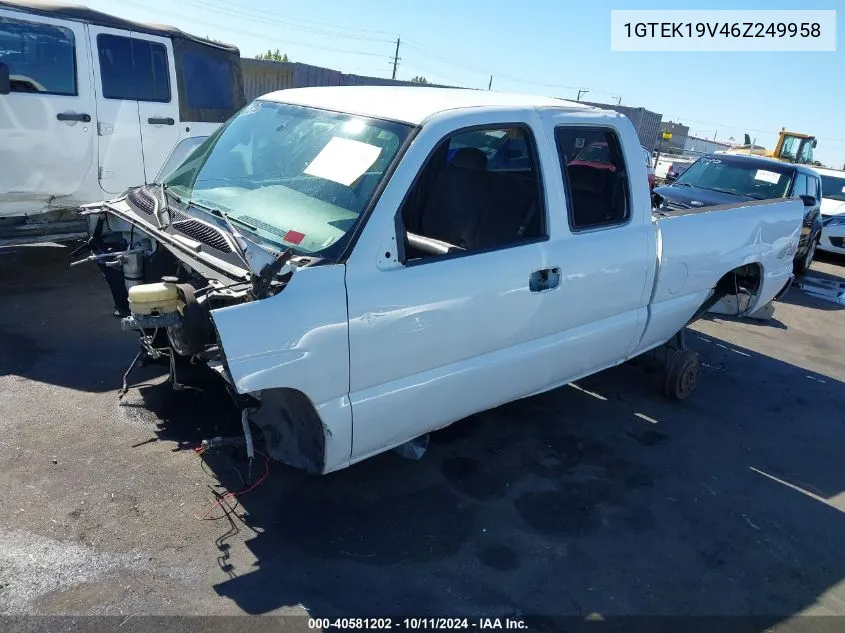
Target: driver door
{"type": "Point", "coordinates": [434, 338]}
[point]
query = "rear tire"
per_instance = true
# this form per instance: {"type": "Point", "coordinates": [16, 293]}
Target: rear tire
{"type": "Point", "coordinates": [803, 265]}
{"type": "Point", "coordinates": [681, 375]}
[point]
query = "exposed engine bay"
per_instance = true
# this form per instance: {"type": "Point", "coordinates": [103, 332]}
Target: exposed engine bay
{"type": "Point", "coordinates": [168, 270]}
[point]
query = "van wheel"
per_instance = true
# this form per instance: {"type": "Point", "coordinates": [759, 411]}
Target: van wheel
{"type": "Point", "coordinates": [681, 375]}
{"type": "Point", "coordinates": [803, 265]}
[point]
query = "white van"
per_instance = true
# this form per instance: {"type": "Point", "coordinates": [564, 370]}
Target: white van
{"type": "Point", "coordinates": [833, 210]}
{"type": "Point", "coordinates": [92, 104]}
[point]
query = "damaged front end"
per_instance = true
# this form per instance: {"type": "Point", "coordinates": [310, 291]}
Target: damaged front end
{"type": "Point", "coordinates": [171, 273]}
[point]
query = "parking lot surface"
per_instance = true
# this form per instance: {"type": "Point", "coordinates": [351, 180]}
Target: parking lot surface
{"type": "Point", "coordinates": [602, 497]}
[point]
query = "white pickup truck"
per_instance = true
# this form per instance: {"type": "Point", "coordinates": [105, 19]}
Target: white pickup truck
{"type": "Point", "coordinates": [364, 265]}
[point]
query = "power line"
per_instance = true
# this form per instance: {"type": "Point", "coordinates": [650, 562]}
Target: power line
{"type": "Point", "coordinates": [259, 35]}
{"type": "Point", "coordinates": [262, 13]}
{"type": "Point", "coordinates": [253, 15]}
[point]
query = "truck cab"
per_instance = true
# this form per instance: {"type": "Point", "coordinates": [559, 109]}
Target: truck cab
{"type": "Point", "coordinates": [92, 105]}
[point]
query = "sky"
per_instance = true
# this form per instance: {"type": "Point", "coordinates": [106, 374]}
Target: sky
{"type": "Point", "coordinates": [546, 47]}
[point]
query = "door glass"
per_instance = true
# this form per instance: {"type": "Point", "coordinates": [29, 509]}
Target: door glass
{"type": "Point", "coordinates": [133, 69]}
{"type": "Point", "coordinates": [789, 149]}
{"type": "Point", "coordinates": [151, 73]}
{"type": "Point", "coordinates": [116, 69]}
{"type": "Point", "coordinates": [805, 154]}
{"type": "Point", "coordinates": [40, 57]}
{"type": "Point", "coordinates": [480, 190]}
{"type": "Point", "coordinates": [800, 188]}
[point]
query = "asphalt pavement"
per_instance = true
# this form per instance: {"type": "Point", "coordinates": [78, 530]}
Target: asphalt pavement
{"type": "Point", "coordinates": [598, 498]}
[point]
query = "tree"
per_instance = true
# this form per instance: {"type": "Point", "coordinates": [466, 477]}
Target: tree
{"type": "Point", "coordinates": [273, 56]}
{"type": "Point", "coordinates": [419, 79]}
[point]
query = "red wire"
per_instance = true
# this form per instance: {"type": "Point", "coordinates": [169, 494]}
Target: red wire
{"type": "Point", "coordinates": [245, 490]}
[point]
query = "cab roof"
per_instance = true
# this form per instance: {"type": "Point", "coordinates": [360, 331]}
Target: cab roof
{"type": "Point", "coordinates": [411, 104]}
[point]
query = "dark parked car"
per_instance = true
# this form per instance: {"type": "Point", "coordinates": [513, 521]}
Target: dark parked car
{"type": "Point", "coordinates": [726, 178]}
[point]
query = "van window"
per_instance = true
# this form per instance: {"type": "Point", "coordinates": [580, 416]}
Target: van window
{"type": "Point", "coordinates": [479, 190]}
{"type": "Point", "coordinates": [207, 81]}
{"type": "Point", "coordinates": [595, 176]}
{"type": "Point", "coordinates": [133, 69]}
{"type": "Point", "coordinates": [41, 57]}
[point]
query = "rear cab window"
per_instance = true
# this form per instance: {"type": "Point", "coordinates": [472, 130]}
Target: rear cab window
{"type": "Point", "coordinates": [41, 57]}
{"type": "Point", "coordinates": [595, 177]}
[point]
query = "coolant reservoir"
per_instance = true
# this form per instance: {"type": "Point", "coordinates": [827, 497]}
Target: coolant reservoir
{"type": "Point", "coordinates": [161, 298]}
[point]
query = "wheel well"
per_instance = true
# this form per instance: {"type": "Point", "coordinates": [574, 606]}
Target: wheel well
{"type": "Point", "coordinates": [292, 428]}
{"type": "Point", "coordinates": [743, 281]}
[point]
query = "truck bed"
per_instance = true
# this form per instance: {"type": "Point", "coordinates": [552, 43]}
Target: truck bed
{"type": "Point", "coordinates": [699, 248]}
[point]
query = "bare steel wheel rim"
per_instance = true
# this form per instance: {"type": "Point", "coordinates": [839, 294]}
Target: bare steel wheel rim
{"type": "Point", "coordinates": [689, 378]}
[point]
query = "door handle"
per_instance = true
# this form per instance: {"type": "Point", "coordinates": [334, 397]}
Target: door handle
{"type": "Point", "coordinates": [544, 279]}
{"type": "Point", "coordinates": [156, 120]}
{"type": "Point", "coordinates": [73, 116]}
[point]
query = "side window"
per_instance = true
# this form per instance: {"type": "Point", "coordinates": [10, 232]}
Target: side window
{"type": "Point", "coordinates": [151, 70]}
{"type": "Point", "coordinates": [805, 154]}
{"type": "Point", "coordinates": [133, 69]}
{"type": "Point", "coordinates": [594, 175]}
{"type": "Point", "coordinates": [800, 186]}
{"type": "Point", "coordinates": [41, 57]}
{"type": "Point", "coordinates": [818, 193]}
{"type": "Point", "coordinates": [461, 203]}
{"type": "Point", "coordinates": [208, 81]}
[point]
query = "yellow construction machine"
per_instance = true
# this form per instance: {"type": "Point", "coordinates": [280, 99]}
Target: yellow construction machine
{"type": "Point", "coordinates": [792, 147]}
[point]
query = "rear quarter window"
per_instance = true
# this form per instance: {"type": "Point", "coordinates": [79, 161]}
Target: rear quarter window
{"type": "Point", "coordinates": [208, 82]}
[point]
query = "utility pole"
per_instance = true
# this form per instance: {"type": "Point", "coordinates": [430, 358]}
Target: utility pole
{"type": "Point", "coordinates": [581, 92]}
{"type": "Point", "coordinates": [396, 58]}
{"type": "Point", "coordinates": [619, 101]}
{"type": "Point", "coordinates": [490, 85]}
{"type": "Point", "coordinates": [714, 134]}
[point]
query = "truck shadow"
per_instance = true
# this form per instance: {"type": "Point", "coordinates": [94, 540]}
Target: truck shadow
{"type": "Point", "coordinates": [597, 497]}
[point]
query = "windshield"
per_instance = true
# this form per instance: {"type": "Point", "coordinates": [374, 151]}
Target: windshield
{"type": "Point", "coordinates": [298, 177]}
{"type": "Point", "coordinates": [833, 187]}
{"type": "Point", "coordinates": [739, 178]}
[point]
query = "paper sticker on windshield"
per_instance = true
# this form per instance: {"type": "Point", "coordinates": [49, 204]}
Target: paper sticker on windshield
{"type": "Point", "coordinates": [767, 176]}
{"type": "Point", "coordinates": [579, 143]}
{"type": "Point", "coordinates": [343, 160]}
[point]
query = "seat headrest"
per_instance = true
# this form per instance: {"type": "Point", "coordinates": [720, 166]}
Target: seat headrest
{"type": "Point", "coordinates": [470, 158]}
{"type": "Point", "coordinates": [586, 178]}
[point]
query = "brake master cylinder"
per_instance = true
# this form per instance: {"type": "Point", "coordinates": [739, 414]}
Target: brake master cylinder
{"type": "Point", "coordinates": [152, 306]}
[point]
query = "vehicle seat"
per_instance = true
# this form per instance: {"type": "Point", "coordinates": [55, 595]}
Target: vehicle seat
{"type": "Point", "coordinates": [479, 210]}
{"type": "Point", "coordinates": [511, 211]}
{"type": "Point", "coordinates": [469, 158]}
{"type": "Point", "coordinates": [590, 196]}
{"type": "Point", "coordinates": [455, 205]}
